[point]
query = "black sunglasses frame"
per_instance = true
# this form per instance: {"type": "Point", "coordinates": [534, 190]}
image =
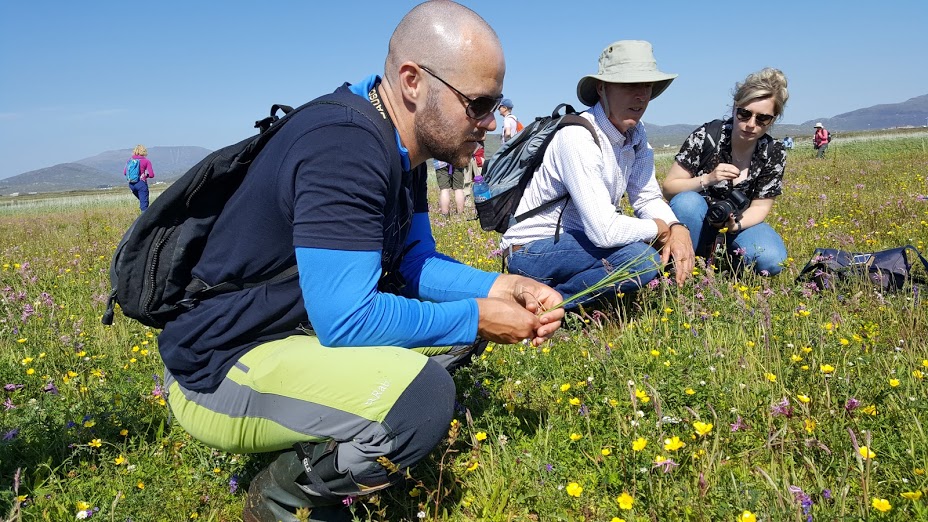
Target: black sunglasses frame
{"type": "Point", "coordinates": [471, 108]}
{"type": "Point", "coordinates": [745, 116]}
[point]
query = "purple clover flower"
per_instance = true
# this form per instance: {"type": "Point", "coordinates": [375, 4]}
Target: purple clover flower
{"type": "Point", "coordinates": [12, 434]}
{"type": "Point", "coordinates": [782, 408]}
{"type": "Point", "coordinates": [851, 405]}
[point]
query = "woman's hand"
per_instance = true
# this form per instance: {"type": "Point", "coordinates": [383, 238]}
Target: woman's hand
{"type": "Point", "coordinates": [724, 172]}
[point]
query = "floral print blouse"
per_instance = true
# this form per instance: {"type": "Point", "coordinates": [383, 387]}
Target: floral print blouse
{"type": "Point", "coordinates": [765, 175]}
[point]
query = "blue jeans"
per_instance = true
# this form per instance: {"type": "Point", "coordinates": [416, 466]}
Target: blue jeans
{"type": "Point", "coordinates": [574, 263]}
{"type": "Point", "coordinates": [763, 248]}
{"type": "Point", "coordinates": [140, 190]}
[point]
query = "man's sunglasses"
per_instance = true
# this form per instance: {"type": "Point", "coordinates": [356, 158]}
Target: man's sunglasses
{"type": "Point", "coordinates": [762, 119]}
{"type": "Point", "coordinates": [477, 108]}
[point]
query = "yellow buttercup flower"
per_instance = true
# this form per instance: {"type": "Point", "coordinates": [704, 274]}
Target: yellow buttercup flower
{"type": "Point", "coordinates": [481, 436]}
{"type": "Point", "coordinates": [673, 444]}
{"type": "Point", "coordinates": [702, 428]}
{"type": "Point", "coordinates": [474, 465]}
{"type": "Point", "coordinates": [639, 444]}
{"type": "Point", "coordinates": [642, 396]}
{"type": "Point", "coordinates": [606, 452]}
{"type": "Point", "coordinates": [826, 368]}
{"type": "Point", "coordinates": [770, 377]}
{"type": "Point", "coordinates": [881, 504]}
{"type": "Point", "coordinates": [625, 501]}
{"type": "Point", "coordinates": [575, 437]}
{"type": "Point", "coordinates": [866, 452]}
{"type": "Point", "coordinates": [912, 495]}
{"type": "Point", "coordinates": [120, 460]}
{"type": "Point", "coordinates": [574, 489]}
{"type": "Point", "coordinates": [95, 443]}
{"type": "Point", "coordinates": [803, 398]}
{"type": "Point", "coordinates": [565, 387]}
{"type": "Point", "coordinates": [690, 391]}
{"type": "Point", "coordinates": [747, 516]}
{"type": "Point", "coordinates": [894, 382]}
{"type": "Point", "coordinates": [574, 401]}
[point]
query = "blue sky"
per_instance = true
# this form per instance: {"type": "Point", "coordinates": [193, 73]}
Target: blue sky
{"type": "Point", "coordinates": [80, 78]}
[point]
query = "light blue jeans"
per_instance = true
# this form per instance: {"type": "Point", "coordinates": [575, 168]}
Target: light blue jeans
{"type": "Point", "coordinates": [573, 263]}
{"type": "Point", "coordinates": [762, 247]}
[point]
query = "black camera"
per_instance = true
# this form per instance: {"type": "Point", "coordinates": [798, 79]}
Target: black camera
{"type": "Point", "coordinates": [735, 203]}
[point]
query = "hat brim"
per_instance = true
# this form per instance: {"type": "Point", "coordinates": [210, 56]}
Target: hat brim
{"type": "Point", "coordinates": [586, 87]}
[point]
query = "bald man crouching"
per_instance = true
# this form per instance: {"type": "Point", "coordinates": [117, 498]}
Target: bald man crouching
{"type": "Point", "coordinates": [345, 371]}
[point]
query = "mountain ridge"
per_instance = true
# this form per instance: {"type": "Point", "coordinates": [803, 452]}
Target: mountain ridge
{"type": "Point", "coordinates": [105, 169]}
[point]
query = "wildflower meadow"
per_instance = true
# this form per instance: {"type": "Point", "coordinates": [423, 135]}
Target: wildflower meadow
{"type": "Point", "coordinates": [733, 398]}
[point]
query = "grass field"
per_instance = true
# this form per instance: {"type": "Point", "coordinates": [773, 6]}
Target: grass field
{"type": "Point", "coordinates": [733, 398]}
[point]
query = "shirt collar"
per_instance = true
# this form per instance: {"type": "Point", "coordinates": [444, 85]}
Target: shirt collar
{"type": "Point", "coordinates": [612, 133]}
{"type": "Point", "coordinates": [362, 88]}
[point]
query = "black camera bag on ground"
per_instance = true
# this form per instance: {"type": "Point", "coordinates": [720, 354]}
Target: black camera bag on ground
{"type": "Point", "coordinates": [887, 269]}
{"type": "Point", "coordinates": [151, 270]}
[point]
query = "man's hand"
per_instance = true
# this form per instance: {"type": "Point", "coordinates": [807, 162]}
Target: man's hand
{"type": "Point", "coordinates": [679, 246]}
{"type": "Point", "coordinates": [532, 297]}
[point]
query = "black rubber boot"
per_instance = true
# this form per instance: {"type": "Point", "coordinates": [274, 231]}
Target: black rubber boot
{"type": "Point", "coordinates": [284, 491]}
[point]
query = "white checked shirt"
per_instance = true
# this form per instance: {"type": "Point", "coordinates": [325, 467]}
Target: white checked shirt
{"type": "Point", "coordinates": [596, 180]}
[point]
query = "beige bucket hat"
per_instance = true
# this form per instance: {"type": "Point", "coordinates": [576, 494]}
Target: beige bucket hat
{"type": "Point", "coordinates": [625, 61]}
{"type": "Point", "coordinates": [819, 125]}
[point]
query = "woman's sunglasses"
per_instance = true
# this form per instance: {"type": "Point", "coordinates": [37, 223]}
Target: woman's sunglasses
{"type": "Point", "coordinates": [763, 120]}
{"type": "Point", "coordinates": [477, 108]}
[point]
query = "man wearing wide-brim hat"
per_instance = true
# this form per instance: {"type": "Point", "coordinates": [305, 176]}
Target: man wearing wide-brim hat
{"type": "Point", "coordinates": [573, 245]}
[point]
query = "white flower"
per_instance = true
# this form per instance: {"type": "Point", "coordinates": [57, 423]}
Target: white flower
{"type": "Point", "coordinates": [421, 514]}
{"type": "Point", "coordinates": [82, 514]}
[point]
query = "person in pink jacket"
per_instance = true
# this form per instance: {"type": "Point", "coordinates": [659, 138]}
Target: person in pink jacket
{"type": "Point", "coordinates": [821, 139]}
{"type": "Point", "coordinates": [138, 169]}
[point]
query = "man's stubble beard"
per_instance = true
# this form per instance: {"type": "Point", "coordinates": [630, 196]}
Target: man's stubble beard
{"type": "Point", "coordinates": [435, 138]}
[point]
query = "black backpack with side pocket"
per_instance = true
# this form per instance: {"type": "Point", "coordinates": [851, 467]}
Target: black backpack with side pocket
{"type": "Point", "coordinates": [510, 170]}
{"type": "Point", "coordinates": [151, 270]}
{"type": "Point", "coordinates": [887, 269]}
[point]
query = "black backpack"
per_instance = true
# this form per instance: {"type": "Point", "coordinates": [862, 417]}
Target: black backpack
{"type": "Point", "coordinates": [151, 270]}
{"type": "Point", "coordinates": [887, 269]}
{"type": "Point", "coordinates": [510, 170]}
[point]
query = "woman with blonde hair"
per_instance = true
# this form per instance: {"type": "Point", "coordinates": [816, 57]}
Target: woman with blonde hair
{"type": "Point", "coordinates": [727, 174]}
{"type": "Point", "coordinates": [138, 170]}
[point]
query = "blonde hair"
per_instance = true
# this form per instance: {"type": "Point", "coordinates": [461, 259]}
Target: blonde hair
{"type": "Point", "coordinates": [140, 150]}
{"type": "Point", "coordinates": [765, 83]}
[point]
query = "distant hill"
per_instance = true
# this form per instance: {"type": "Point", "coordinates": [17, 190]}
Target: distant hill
{"type": "Point", "coordinates": [910, 113]}
{"type": "Point", "coordinates": [103, 170]}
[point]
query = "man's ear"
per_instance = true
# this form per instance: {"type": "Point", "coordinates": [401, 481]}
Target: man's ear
{"type": "Point", "coordinates": [411, 84]}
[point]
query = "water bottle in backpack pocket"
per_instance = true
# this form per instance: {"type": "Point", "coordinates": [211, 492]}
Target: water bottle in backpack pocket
{"type": "Point", "coordinates": [481, 189]}
{"type": "Point", "coordinates": [133, 170]}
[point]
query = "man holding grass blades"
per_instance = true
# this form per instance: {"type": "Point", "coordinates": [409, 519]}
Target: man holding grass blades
{"type": "Point", "coordinates": [341, 189]}
{"type": "Point", "coordinates": [575, 244]}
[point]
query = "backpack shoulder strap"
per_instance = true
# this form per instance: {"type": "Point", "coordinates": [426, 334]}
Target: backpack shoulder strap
{"type": "Point", "coordinates": [711, 145]}
{"type": "Point", "coordinates": [570, 118]}
{"type": "Point", "coordinates": [924, 262]}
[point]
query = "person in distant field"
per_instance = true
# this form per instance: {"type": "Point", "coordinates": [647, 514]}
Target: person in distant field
{"type": "Point", "coordinates": [450, 181]}
{"type": "Point", "coordinates": [573, 245]}
{"type": "Point", "coordinates": [137, 171]}
{"type": "Point", "coordinates": [474, 168]}
{"type": "Point", "coordinates": [745, 158]}
{"type": "Point", "coordinates": [820, 140]}
{"type": "Point", "coordinates": [510, 121]}
{"type": "Point", "coordinates": [788, 143]}
{"type": "Point", "coordinates": [345, 369]}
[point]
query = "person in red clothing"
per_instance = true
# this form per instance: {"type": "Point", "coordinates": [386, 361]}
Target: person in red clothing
{"type": "Point", "coordinates": [820, 141]}
{"type": "Point", "coordinates": [474, 168]}
{"type": "Point", "coordinates": [138, 169]}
